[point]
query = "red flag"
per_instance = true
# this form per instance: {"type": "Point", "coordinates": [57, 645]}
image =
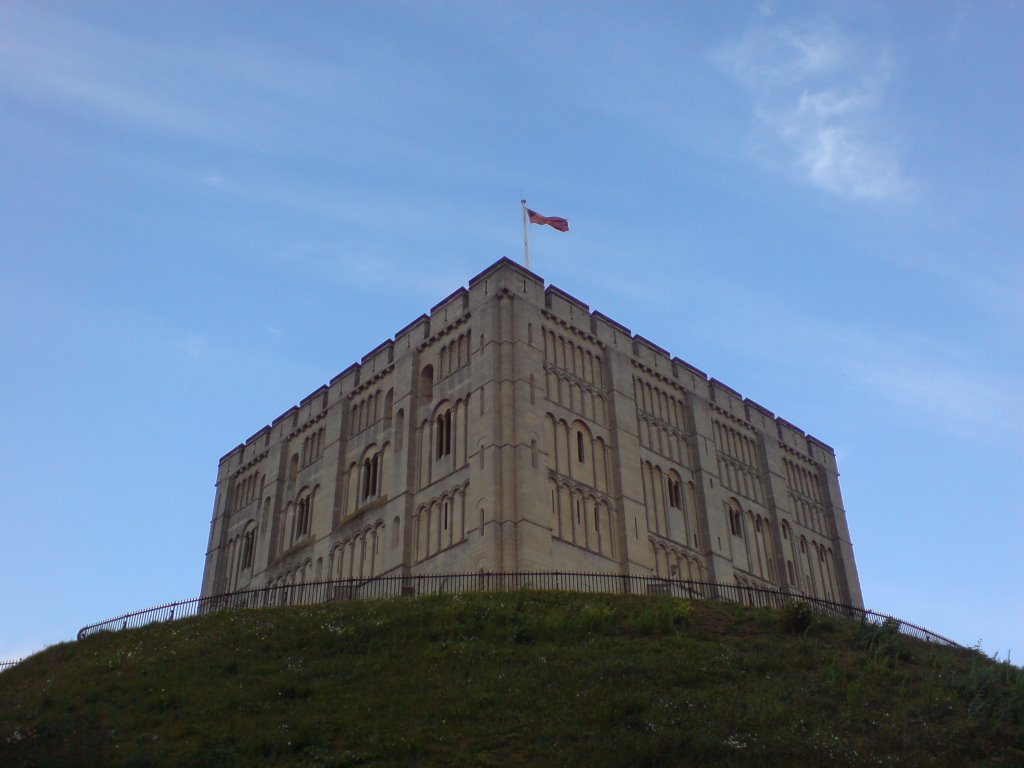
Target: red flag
{"type": "Point", "coordinates": [562, 225]}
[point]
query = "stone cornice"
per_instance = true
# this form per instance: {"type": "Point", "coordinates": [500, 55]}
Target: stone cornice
{"type": "Point", "coordinates": [445, 495]}
{"type": "Point", "coordinates": [732, 417]}
{"type": "Point", "coordinates": [678, 547]}
{"type": "Point", "coordinates": [661, 423]}
{"type": "Point", "coordinates": [562, 373]}
{"type": "Point", "coordinates": [582, 488]}
{"type": "Point", "coordinates": [461, 319]}
{"type": "Point", "coordinates": [306, 425]}
{"type": "Point", "coordinates": [578, 331]}
{"type": "Point", "coordinates": [370, 381]}
{"type": "Point", "coordinates": [800, 454]}
{"type": "Point", "coordinates": [646, 369]}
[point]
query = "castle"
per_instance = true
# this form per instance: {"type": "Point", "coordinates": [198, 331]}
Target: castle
{"type": "Point", "coordinates": [514, 429]}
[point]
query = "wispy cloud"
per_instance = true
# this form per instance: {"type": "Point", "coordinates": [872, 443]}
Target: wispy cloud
{"type": "Point", "coordinates": [936, 381]}
{"type": "Point", "coordinates": [821, 97]}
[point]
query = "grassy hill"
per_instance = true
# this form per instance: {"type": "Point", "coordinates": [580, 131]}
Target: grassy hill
{"type": "Point", "coordinates": [510, 680]}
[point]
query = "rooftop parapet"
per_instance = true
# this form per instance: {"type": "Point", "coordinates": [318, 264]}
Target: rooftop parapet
{"type": "Point", "coordinates": [232, 459]}
{"type": "Point", "coordinates": [379, 358]}
{"type": "Point", "coordinates": [312, 404]}
{"type": "Point", "coordinates": [609, 332]}
{"type": "Point", "coordinates": [258, 441]}
{"type": "Point", "coordinates": [820, 451]}
{"type": "Point", "coordinates": [689, 376]}
{"type": "Point", "coordinates": [346, 381]}
{"type": "Point", "coordinates": [285, 423]}
{"type": "Point", "coordinates": [791, 435]}
{"type": "Point", "coordinates": [415, 332]}
{"type": "Point", "coordinates": [759, 416]}
{"type": "Point", "coordinates": [507, 274]}
{"type": "Point", "coordinates": [651, 355]}
{"type": "Point", "coordinates": [450, 308]}
{"type": "Point", "coordinates": [727, 398]}
{"type": "Point", "coordinates": [567, 308]}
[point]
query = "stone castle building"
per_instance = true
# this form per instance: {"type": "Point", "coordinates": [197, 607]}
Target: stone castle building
{"type": "Point", "coordinates": [514, 429]}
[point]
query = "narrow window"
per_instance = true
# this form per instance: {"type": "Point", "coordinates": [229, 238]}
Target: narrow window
{"type": "Point", "coordinates": [579, 446]}
{"type": "Point", "coordinates": [427, 382]}
{"type": "Point", "coordinates": [533, 453]}
{"type": "Point", "coordinates": [444, 434]}
{"type": "Point", "coordinates": [446, 515]}
{"type": "Point", "coordinates": [389, 401]}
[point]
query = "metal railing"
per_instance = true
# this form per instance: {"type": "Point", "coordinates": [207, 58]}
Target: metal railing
{"type": "Point", "coordinates": [383, 587]}
{"type": "Point", "coordinates": [4, 665]}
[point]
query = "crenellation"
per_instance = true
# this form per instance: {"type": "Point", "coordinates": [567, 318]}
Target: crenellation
{"type": "Point", "coordinates": [609, 332]}
{"type": "Point", "coordinates": [412, 334]}
{"type": "Point", "coordinates": [692, 379]}
{"type": "Point", "coordinates": [820, 451]}
{"type": "Point", "coordinates": [567, 308]}
{"type": "Point", "coordinates": [378, 358]}
{"type": "Point", "coordinates": [448, 309]}
{"type": "Point", "coordinates": [790, 435]}
{"type": "Point", "coordinates": [760, 417]}
{"type": "Point", "coordinates": [654, 356]}
{"type": "Point", "coordinates": [514, 428]}
{"type": "Point", "coordinates": [727, 398]}
{"type": "Point", "coordinates": [231, 459]}
{"type": "Point", "coordinates": [285, 423]}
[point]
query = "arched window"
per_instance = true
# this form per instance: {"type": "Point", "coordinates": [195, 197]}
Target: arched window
{"type": "Point", "coordinates": [248, 547]}
{"type": "Point", "coordinates": [735, 521]}
{"type": "Point", "coordinates": [399, 429]}
{"type": "Point", "coordinates": [371, 476]}
{"type": "Point", "coordinates": [427, 382]}
{"type": "Point", "coordinates": [675, 493]}
{"type": "Point", "coordinates": [303, 515]}
{"type": "Point", "coordinates": [443, 430]}
{"type": "Point", "coordinates": [389, 401]}
{"type": "Point", "coordinates": [293, 468]}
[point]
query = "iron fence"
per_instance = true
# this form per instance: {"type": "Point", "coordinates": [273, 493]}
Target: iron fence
{"type": "Point", "coordinates": [383, 587]}
{"type": "Point", "coordinates": [4, 665]}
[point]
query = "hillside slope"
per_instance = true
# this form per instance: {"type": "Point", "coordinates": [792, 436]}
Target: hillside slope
{"type": "Point", "coordinates": [510, 680]}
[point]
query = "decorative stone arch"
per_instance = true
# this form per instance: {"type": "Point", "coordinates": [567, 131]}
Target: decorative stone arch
{"type": "Point", "coordinates": [371, 473]}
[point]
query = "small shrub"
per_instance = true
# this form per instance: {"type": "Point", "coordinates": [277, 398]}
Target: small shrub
{"type": "Point", "coordinates": [882, 641]}
{"type": "Point", "coordinates": [660, 617]}
{"type": "Point", "coordinates": [994, 691]}
{"type": "Point", "coordinates": [796, 617]}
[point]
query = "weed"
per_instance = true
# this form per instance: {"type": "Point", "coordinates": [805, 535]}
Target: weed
{"type": "Point", "coordinates": [796, 617]}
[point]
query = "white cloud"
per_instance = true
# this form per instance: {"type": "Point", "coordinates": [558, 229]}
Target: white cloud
{"type": "Point", "coordinates": [935, 381]}
{"type": "Point", "coordinates": [820, 96]}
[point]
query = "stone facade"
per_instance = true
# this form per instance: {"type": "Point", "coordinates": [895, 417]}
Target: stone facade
{"type": "Point", "coordinates": [514, 429]}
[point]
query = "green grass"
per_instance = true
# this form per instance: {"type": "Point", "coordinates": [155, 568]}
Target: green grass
{"type": "Point", "coordinates": [510, 680]}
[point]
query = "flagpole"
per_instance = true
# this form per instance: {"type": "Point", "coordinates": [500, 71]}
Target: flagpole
{"type": "Point", "coordinates": [526, 237]}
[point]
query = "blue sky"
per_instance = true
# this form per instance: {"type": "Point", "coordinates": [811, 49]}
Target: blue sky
{"type": "Point", "coordinates": [207, 210]}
